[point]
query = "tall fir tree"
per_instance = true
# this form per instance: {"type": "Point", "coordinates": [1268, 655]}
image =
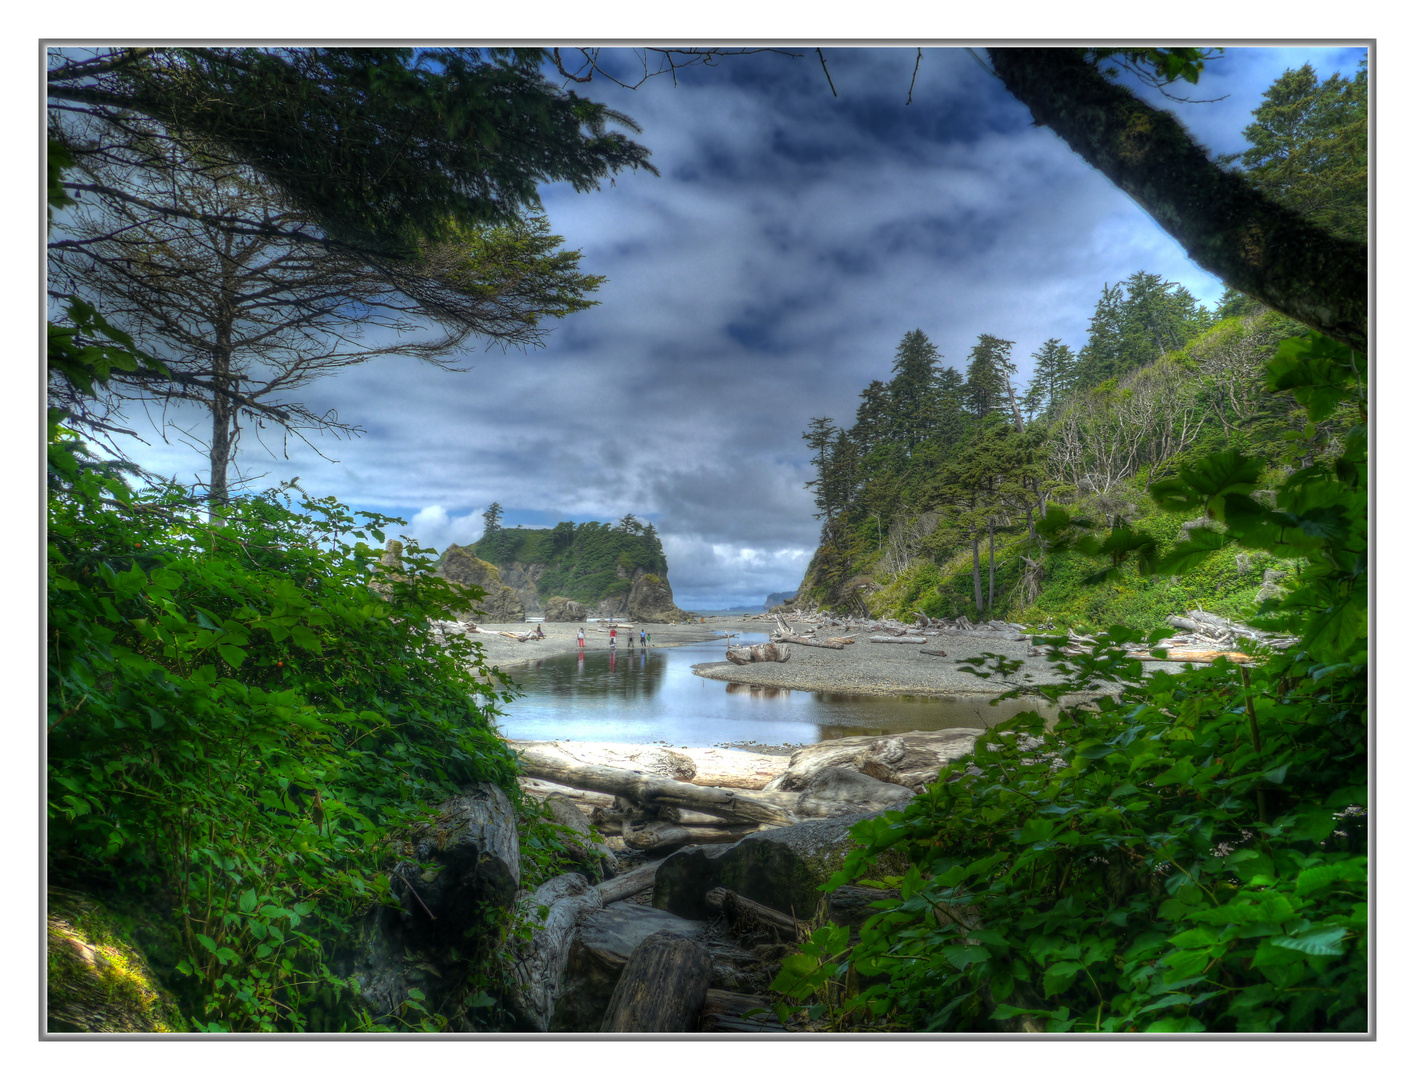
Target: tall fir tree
{"type": "Point", "coordinates": [1053, 374]}
{"type": "Point", "coordinates": [990, 368]}
{"type": "Point", "coordinates": [912, 390]}
{"type": "Point", "coordinates": [1308, 148]}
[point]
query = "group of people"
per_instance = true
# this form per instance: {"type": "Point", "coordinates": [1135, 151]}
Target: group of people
{"type": "Point", "coordinates": [645, 640]}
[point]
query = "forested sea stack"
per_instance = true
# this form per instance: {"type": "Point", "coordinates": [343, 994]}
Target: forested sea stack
{"type": "Point", "coordinates": [567, 573]}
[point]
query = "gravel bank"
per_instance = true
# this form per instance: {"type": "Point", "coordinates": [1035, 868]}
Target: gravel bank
{"type": "Point", "coordinates": [507, 653]}
{"type": "Point", "coordinates": [887, 670]}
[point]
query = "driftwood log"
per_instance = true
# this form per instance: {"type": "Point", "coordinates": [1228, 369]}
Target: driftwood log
{"type": "Point", "coordinates": [726, 1010]}
{"type": "Point", "coordinates": [661, 837]}
{"type": "Point", "coordinates": [911, 759]}
{"type": "Point", "coordinates": [933, 652]}
{"type": "Point", "coordinates": [725, 803]}
{"type": "Point", "coordinates": [757, 654]}
{"type": "Point", "coordinates": [663, 986]}
{"type": "Point", "coordinates": [898, 639]}
{"type": "Point", "coordinates": [539, 964]}
{"type": "Point", "coordinates": [636, 881]}
{"type": "Point", "coordinates": [797, 639]}
{"type": "Point", "coordinates": [745, 915]}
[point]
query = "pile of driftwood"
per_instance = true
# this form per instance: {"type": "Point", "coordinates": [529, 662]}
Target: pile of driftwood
{"type": "Point", "coordinates": [691, 974]}
{"type": "Point", "coordinates": [655, 799]}
{"type": "Point", "coordinates": [1205, 638]}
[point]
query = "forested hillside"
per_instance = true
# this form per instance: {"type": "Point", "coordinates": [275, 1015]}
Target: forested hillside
{"type": "Point", "coordinates": [586, 562]}
{"type": "Point", "coordinates": [930, 499]}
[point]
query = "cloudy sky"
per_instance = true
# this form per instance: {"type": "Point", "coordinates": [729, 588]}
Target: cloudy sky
{"type": "Point", "coordinates": [764, 278]}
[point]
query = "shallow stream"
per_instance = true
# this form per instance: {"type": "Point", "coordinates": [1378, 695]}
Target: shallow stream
{"type": "Point", "coordinates": [654, 697]}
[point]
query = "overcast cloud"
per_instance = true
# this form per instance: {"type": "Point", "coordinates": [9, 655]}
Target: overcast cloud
{"type": "Point", "coordinates": [763, 279]}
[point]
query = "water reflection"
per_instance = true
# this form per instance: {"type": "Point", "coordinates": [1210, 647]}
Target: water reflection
{"type": "Point", "coordinates": [646, 696]}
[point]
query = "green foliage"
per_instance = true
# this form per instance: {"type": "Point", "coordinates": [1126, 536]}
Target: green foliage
{"type": "Point", "coordinates": [1185, 852]}
{"type": "Point", "coordinates": [585, 562]}
{"type": "Point", "coordinates": [237, 722]}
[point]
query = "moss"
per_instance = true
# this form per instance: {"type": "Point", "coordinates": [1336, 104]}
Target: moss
{"type": "Point", "coordinates": [98, 981]}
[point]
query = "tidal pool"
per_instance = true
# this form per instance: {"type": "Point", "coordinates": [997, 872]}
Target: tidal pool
{"type": "Point", "coordinates": [654, 697]}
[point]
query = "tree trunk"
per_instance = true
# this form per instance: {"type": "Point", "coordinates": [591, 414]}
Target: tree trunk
{"type": "Point", "coordinates": [724, 802]}
{"type": "Point", "coordinates": [992, 567]}
{"type": "Point", "coordinates": [977, 576]}
{"type": "Point", "coordinates": [539, 964]}
{"type": "Point", "coordinates": [661, 837]}
{"type": "Point", "coordinates": [636, 881]}
{"type": "Point", "coordinates": [1223, 222]}
{"type": "Point", "coordinates": [663, 986]}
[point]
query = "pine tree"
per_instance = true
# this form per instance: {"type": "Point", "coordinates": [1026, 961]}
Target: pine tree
{"type": "Point", "coordinates": [1053, 374]}
{"type": "Point", "coordinates": [990, 367]}
{"type": "Point", "coordinates": [491, 530]}
{"type": "Point", "coordinates": [1308, 148]}
{"type": "Point", "coordinates": [819, 436]}
{"type": "Point", "coordinates": [912, 390]}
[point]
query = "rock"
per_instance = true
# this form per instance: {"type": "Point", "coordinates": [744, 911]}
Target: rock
{"type": "Point", "coordinates": [524, 578]}
{"type": "Point", "coordinates": [781, 868]}
{"type": "Point", "coordinates": [591, 857]}
{"type": "Point", "coordinates": [851, 905]}
{"type": "Point", "coordinates": [651, 600]}
{"type": "Point", "coordinates": [602, 947]}
{"type": "Point", "coordinates": [98, 981]}
{"type": "Point", "coordinates": [829, 788]}
{"type": "Point", "coordinates": [501, 603]}
{"type": "Point", "coordinates": [563, 609]}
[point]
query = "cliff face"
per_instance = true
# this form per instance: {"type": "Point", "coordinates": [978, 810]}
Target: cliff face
{"type": "Point", "coordinates": [502, 603]}
{"type": "Point", "coordinates": [649, 598]}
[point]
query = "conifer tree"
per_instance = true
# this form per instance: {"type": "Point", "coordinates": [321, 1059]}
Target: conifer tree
{"type": "Point", "coordinates": [913, 388]}
{"type": "Point", "coordinates": [1053, 373]}
{"type": "Point", "coordinates": [990, 367]}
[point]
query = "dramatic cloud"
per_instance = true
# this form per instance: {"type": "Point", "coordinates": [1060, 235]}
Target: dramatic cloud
{"type": "Point", "coordinates": [764, 278]}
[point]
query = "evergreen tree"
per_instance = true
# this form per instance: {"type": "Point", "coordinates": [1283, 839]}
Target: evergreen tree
{"type": "Point", "coordinates": [912, 390]}
{"type": "Point", "coordinates": [1136, 322]}
{"type": "Point", "coordinates": [819, 436]}
{"type": "Point", "coordinates": [629, 524]}
{"type": "Point", "coordinates": [1053, 373]}
{"type": "Point", "coordinates": [1308, 148]}
{"type": "Point", "coordinates": [990, 368]}
{"type": "Point", "coordinates": [491, 530]}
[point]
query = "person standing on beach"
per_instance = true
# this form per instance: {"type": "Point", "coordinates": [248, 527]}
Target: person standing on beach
{"type": "Point", "coordinates": [581, 638]}
{"type": "Point", "coordinates": [649, 641]}
{"type": "Point", "coordinates": [643, 640]}
{"type": "Point", "coordinates": [613, 632]}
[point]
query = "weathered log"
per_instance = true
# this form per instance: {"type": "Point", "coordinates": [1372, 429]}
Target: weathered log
{"type": "Point", "coordinates": [901, 639]}
{"type": "Point", "coordinates": [841, 640]}
{"type": "Point", "coordinates": [658, 760]}
{"type": "Point", "coordinates": [663, 986]}
{"type": "Point", "coordinates": [757, 654]}
{"type": "Point", "coordinates": [587, 801]}
{"type": "Point", "coordinates": [832, 791]}
{"type": "Point", "coordinates": [904, 759]}
{"type": "Point", "coordinates": [796, 639]}
{"type": "Point", "coordinates": [539, 964]}
{"type": "Point", "coordinates": [664, 836]}
{"type": "Point", "coordinates": [636, 881]}
{"type": "Point", "coordinates": [602, 946]}
{"type": "Point", "coordinates": [933, 652]}
{"type": "Point", "coordinates": [724, 1010]}
{"type": "Point", "coordinates": [744, 914]}
{"type": "Point", "coordinates": [718, 767]}
{"type": "Point", "coordinates": [724, 802]}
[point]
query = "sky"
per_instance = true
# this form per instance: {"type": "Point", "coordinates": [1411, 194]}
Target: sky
{"type": "Point", "coordinates": [792, 238]}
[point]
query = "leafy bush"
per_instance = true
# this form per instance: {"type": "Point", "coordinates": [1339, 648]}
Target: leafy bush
{"type": "Point", "coordinates": [237, 721]}
{"type": "Point", "coordinates": [1184, 853]}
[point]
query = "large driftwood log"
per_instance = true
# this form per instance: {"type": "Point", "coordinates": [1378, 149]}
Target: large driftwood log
{"type": "Point", "coordinates": [901, 639]}
{"type": "Point", "coordinates": [661, 837]}
{"type": "Point", "coordinates": [796, 639]}
{"type": "Point", "coordinates": [733, 768]}
{"type": "Point", "coordinates": [663, 986]}
{"type": "Point", "coordinates": [725, 1010]}
{"type": "Point", "coordinates": [589, 855]}
{"type": "Point", "coordinates": [539, 964]}
{"type": "Point", "coordinates": [745, 915]}
{"type": "Point", "coordinates": [658, 760]}
{"type": "Point", "coordinates": [726, 803]}
{"type": "Point", "coordinates": [911, 759]}
{"type": "Point", "coordinates": [636, 881]}
{"type": "Point", "coordinates": [757, 654]}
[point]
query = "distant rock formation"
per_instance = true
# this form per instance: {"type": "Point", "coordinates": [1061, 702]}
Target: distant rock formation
{"type": "Point", "coordinates": [778, 598]}
{"type": "Point", "coordinates": [501, 603]}
{"type": "Point", "coordinates": [648, 598]}
{"type": "Point", "coordinates": [563, 609]}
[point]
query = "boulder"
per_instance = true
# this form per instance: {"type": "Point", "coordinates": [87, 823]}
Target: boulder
{"type": "Point", "coordinates": [781, 868]}
{"type": "Point", "coordinates": [829, 789]}
{"type": "Point", "coordinates": [602, 947]}
{"type": "Point", "coordinates": [501, 603]}
{"type": "Point", "coordinates": [563, 609]}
